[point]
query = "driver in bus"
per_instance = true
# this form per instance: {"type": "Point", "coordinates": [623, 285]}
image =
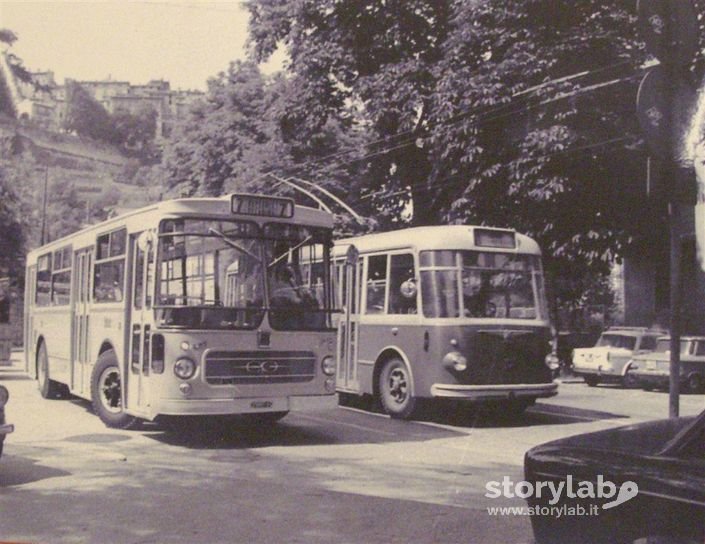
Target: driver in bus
{"type": "Point", "coordinates": [285, 292]}
{"type": "Point", "coordinates": [476, 296]}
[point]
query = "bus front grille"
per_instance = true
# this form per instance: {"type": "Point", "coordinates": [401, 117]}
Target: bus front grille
{"type": "Point", "coordinates": [259, 367]}
{"type": "Point", "coordinates": [509, 357]}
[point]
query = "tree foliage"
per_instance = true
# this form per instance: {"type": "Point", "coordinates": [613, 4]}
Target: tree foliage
{"type": "Point", "coordinates": [135, 133]}
{"type": "Point", "coordinates": [15, 211]}
{"type": "Point", "coordinates": [85, 116]}
{"type": "Point", "coordinates": [245, 130]}
{"type": "Point", "coordinates": [516, 113]}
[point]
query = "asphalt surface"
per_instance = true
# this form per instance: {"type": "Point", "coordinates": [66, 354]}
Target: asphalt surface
{"type": "Point", "coordinates": [328, 474]}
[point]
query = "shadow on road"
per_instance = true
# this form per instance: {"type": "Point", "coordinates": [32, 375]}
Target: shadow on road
{"type": "Point", "coordinates": [463, 415]}
{"type": "Point", "coordinates": [299, 429]}
{"type": "Point", "coordinates": [19, 470]}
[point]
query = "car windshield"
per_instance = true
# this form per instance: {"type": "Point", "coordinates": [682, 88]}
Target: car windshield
{"type": "Point", "coordinates": [219, 274]}
{"type": "Point", "coordinates": [617, 341]}
{"type": "Point", "coordinates": [481, 284]}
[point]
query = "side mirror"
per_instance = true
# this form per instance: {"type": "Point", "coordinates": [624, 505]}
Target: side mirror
{"type": "Point", "coordinates": [145, 241]}
{"type": "Point", "coordinates": [408, 288]}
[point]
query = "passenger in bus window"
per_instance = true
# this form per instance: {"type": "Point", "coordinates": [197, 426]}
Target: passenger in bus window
{"type": "Point", "coordinates": [285, 292]}
{"type": "Point", "coordinates": [476, 295]}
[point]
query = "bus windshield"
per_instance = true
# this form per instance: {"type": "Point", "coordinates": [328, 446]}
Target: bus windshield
{"type": "Point", "coordinates": [481, 284]}
{"type": "Point", "coordinates": [298, 281]}
{"type": "Point", "coordinates": [217, 274]}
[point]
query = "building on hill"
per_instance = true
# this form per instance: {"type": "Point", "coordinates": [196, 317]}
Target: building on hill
{"type": "Point", "coordinates": [45, 104]}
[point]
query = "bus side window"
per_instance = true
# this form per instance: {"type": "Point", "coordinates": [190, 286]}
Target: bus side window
{"type": "Point", "coordinates": [43, 287]}
{"type": "Point", "coordinates": [402, 285]}
{"type": "Point", "coordinates": [376, 284]}
{"type": "Point", "coordinates": [109, 268]}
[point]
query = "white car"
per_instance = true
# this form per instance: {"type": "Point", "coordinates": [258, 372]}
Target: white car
{"type": "Point", "coordinates": [607, 362]}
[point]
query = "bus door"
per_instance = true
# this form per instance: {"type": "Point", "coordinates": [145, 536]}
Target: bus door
{"type": "Point", "coordinates": [80, 363]}
{"type": "Point", "coordinates": [138, 369]}
{"type": "Point", "coordinates": [348, 328]}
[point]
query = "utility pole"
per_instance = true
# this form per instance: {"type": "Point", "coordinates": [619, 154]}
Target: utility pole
{"type": "Point", "coordinates": [670, 31]}
{"type": "Point", "coordinates": [44, 204]}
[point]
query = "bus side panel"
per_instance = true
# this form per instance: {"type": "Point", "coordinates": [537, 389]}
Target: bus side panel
{"type": "Point", "coordinates": [56, 330]}
{"type": "Point", "coordinates": [407, 340]}
{"type": "Point", "coordinates": [107, 327]}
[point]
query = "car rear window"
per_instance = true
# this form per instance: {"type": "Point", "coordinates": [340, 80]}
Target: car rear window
{"type": "Point", "coordinates": [648, 342]}
{"type": "Point", "coordinates": [617, 341]}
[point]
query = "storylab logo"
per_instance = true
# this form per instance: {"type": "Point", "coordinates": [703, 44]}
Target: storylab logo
{"type": "Point", "coordinates": [564, 493]}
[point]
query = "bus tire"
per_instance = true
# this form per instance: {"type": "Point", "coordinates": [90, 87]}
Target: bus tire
{"type": "Point", "coordinates": [106, 393]}
{"type": "Point", "coordinates": [48, 388]}
{"type": "Point", "coordinates": [395, 389]}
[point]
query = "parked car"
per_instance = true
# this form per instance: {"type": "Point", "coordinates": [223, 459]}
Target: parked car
{"type": "Point", "coordinates": [652, 370]}
{"type": "Point", "coordinates": [659, 467]}
{"type": "Point", "coordinates": [607, 360]}
{"type": "Point", "coordinates": [5, 428]}
{"type": "Point", "coordinates": [567, 341]}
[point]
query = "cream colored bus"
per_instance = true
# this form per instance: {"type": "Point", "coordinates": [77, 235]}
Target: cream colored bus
{"type": "Point", "coordinates": [186, 307]}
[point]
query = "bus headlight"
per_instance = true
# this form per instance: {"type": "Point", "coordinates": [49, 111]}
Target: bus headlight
{"type": "Point", "coordinates": [4, 395]}
{"type": "Point", "coordinates": [456, 360]}
{"type": "Point", "coordinates": [552, 361]}
{"type": "Point", "coordinates": [328, 365]}
{"type": "Point", "coordinates": [184, 368]}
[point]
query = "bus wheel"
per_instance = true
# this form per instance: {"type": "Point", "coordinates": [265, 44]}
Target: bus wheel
{"type": "Point", "coordinates": [395, 389]}
{"type": "Point", "coordinates": [48, 388]}
{"type": "Point", "coordinates": [106, 393]}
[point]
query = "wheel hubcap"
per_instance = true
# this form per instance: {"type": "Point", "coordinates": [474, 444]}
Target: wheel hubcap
{"type": "Point", "coordinates": [110, 391]}
{"type": "Point", "coordinates": [398, 386]}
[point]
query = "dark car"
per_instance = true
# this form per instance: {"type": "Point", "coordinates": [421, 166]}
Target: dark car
{"type": "Point", "coordinates": [659, 467]}
{"type": "Point", "coordinates": [5, 428]}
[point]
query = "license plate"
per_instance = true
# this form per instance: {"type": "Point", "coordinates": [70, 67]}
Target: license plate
{"type": "Point", "coordinates": [261, 404]}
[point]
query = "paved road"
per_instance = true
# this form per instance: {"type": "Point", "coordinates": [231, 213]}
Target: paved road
{"type": "Point", "coordinates": [326, 475]}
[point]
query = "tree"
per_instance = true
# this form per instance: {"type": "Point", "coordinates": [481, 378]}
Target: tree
{"type": "Point", "coordinates": [135, 132]}
{"type": "Point", "coordinates": [86, 117]}
{"type": "Point", "coordinates": [17, 206]}
{"type": "Point", "coordinates": [512, 113]}
{"type": "Point", "coordinates": [243, 130]}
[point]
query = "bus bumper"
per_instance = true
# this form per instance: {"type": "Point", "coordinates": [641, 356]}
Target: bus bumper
{"type": "Point", "coordinates": [203, 407]}
{"type": "Point", "coordinates": [495, 392]}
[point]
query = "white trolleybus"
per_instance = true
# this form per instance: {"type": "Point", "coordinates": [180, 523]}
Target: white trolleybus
{"type": "Point", "coordinates": [187, 307]}
{"type": "Point", "coordinates": [446, 312]}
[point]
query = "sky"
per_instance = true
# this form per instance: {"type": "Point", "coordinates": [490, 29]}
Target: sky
{"type": "Point", "coordinates": [182, 41]}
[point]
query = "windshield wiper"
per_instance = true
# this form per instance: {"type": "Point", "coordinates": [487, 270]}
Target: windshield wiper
{"type": "Point", "coordinates": [234, 245]}
{"type": "Point", "coordinates": [297, 246]}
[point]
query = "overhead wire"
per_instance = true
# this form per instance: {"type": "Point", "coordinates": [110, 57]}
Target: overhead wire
{"type": "Point", "coordinates": [483, 119]}
{"type": "Point", "coordinates": [523, 95]}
